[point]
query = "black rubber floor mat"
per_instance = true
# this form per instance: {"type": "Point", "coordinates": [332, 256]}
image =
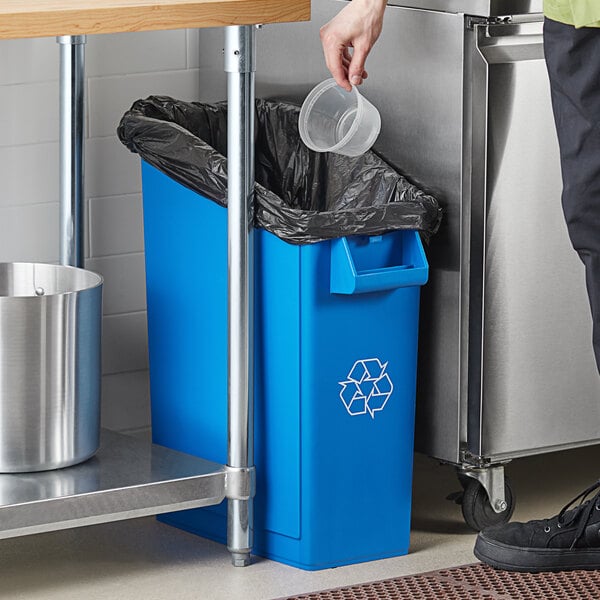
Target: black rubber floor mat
{"type": "Point", "coordinates": [471, 582]}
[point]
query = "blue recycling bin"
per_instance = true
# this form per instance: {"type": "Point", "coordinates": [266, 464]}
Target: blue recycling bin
{"type": "Point", "coordinates": [335, 351]}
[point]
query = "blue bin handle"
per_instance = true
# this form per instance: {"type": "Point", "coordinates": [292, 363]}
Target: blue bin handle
{"type": "Point", "coordinates": [345, 278]}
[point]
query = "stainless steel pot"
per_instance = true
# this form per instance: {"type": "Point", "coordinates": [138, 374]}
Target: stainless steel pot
{"type": "Point", "coordinates": [50, 340]}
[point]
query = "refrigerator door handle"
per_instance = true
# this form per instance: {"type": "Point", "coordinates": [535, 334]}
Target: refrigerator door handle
{"type": "Point", "coordinates": [510, 41]}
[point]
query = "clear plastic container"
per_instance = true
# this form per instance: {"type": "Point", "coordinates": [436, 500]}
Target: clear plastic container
{"type": "Point", "coordinates": [334, 120]}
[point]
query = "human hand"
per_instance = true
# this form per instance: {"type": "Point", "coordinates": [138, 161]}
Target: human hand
{"type": "Point", "coordinates": [356, 26]}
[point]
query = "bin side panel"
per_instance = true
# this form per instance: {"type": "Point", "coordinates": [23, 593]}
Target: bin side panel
{"type": "Point", "coordinates": [186, 344]}
{"type": "Point", "coordinates": [277, 387]}
{"type": "Point", "coordinates": [186, 272]}
{"type": "Point", "coordinates": [186, 288]}
{"type": "Point", "coordinates": [358, 397]}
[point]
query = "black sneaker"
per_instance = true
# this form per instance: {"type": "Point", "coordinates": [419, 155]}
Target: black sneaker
{"type": "Point", "coordinates": [570, 540]}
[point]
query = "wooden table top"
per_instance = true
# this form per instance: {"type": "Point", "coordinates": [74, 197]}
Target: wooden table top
{"type": "Point", "coordinates": [41, 18]}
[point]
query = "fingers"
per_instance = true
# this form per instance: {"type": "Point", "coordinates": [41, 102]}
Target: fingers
{"type": "Point", "coordinates": [338, 67]}
{"type": "Point", "coordinates": [357, 26]}
{"type": "Point", "coordinates": [347, 66]}
{"type": "Point", "coordinates": [343, 67]}
{"type": "Point", "coordinates": [356, 70]}
{"type": "Point", "coordinates": [335, 57]}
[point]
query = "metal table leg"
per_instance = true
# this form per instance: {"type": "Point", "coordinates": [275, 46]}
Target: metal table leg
{"type": "Point", "coordinates": [72, 95]}
{"type": "Point", "coordinates": [239, 65]}
{"type": "Point", "coordinates": [240, 45]}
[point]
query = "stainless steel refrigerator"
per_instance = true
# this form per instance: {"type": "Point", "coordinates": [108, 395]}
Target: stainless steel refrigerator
{"type": "Point", "coordinates": [506, 365]}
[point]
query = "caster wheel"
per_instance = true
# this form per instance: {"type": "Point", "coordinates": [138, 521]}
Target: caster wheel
{"type": "Point", "coordinates": [476, 508]}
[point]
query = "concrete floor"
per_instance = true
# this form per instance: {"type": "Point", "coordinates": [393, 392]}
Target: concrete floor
{"type": "Point", "coordinates": [146, 560]}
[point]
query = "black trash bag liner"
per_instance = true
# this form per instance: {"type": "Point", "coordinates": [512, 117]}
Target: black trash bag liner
{"type": "Point", "coordinates": [301, 196]}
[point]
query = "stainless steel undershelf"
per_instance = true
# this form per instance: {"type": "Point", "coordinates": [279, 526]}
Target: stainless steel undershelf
{"type": "Point", "coordinates": [128, 478]}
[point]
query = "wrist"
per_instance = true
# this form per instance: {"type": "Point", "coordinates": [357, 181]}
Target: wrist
{"type": "Point", "coordinates": [378, 5]}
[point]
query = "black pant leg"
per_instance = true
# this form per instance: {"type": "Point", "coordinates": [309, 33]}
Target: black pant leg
{"type": "Point", "coordinates": [573, 62]}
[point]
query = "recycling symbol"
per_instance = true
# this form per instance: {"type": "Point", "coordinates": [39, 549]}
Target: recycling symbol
{"type": "Point", "coordinates": [367, 388]}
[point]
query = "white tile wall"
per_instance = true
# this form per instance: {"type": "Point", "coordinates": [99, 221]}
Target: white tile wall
{"type": "Point", "coordinates": [205, 47]}
{"type": "Point", "coordinates": [110, 169]}
{"type": "Point", "coordinates": [124, 282]}
{"type": "Point", "coordinates": [28, 113]}
{"type": "Point", "coordinates": [116, 225]}
{"type": "Point", "coordinates": [28, 174]}
{"type": "Point", "coordinates": [126, 53]}
{"type": "Point", "coordinates": [119, 69]}
{"type": "Point", "coordinates": [125, 402]}
{"type": "Point", "coordinates": [26, 61]}
{"type": "Point", "coordinates": [124, 343]}
{"type": "Point", "coordinates": [110, 97]}
{"type": "Point", "coordinates": [29, 233]}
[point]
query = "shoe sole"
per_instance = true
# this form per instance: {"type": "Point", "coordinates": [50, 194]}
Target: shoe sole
{"type": "Point", "coordinates": [534, 560]}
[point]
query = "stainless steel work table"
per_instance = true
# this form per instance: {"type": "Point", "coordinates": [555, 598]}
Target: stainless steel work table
{"type": "Point", "coordinates": [128, 477]}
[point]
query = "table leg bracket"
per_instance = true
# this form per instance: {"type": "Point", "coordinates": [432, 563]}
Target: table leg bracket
{"type": "Point", "coordinates": [240, 483]}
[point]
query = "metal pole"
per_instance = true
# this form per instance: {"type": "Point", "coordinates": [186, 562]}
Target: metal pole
{"type": "Point", "coordinates": [72, 95]}
{"type": "Point", "coordinates": [240, 50]}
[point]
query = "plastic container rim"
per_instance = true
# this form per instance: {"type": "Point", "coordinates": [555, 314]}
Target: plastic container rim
{"type": "Point", "coordinates": [311, 100]}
